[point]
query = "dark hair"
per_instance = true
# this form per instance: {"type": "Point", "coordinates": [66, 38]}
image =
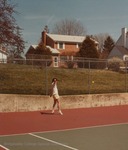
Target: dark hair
{"type": "Point", "coordinates": [54, 79]}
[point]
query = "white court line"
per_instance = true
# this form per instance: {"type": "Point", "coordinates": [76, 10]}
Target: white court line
{"type": "Point", "coordinates": [13, 135]}
{"type": "Point", "coordinates": [4, 147]}
{"type": "Point", "coordinates": [80, 128]}
{"type": "Point", "coordinates": [69, 147]}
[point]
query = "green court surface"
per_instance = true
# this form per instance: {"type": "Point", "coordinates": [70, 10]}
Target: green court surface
{"type": "Point", "coordinates": [106, 137]}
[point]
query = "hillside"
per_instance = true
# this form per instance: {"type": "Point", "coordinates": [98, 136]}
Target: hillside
{"type": "Point", "coordinates": [23, 79]}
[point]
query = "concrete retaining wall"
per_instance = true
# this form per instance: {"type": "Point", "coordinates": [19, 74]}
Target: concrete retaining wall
{"type": "Point", "coordinates": [16, 103]}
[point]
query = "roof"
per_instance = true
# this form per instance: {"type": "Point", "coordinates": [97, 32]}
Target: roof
{"type": "Point", "coordinates": [66, 38]}
{"type": "Point", "coordinates": [34, 46]}
{"type": "Point", "coordinates": [53, 50]}
{"type": "Point", "coordinates": [118, 51]}
{"type": "Point", "coordinates": [122, 49]}
{"type": "Point", "coordinates": [31, 49]}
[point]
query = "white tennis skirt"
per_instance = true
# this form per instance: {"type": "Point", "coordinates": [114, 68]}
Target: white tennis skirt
{"type": "Point", "coordinates": [56, 96]}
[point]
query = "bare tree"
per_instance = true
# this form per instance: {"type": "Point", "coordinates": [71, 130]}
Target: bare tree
{"type": "Point", "coordinates": [9, 30]}
{"type": "Point", "coordinates": [101, 38]}
{"type": "Point", "coordinates": [69, 27]}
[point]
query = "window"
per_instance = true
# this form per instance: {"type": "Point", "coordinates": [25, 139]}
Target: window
{"type": "Point", "coordinates": [55, 63]}
{"type": "Point", "coordinates": [61, 46]}
{"type": "Point", "coordinates": [55, 60]}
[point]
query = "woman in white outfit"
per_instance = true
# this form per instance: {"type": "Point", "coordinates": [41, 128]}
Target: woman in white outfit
{"type": "Point", "coordinates": [54, 93]}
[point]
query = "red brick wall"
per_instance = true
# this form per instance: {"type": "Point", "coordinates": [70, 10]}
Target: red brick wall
{"type": "Point", "coordinates": [70, 49]}
{"type": "Point", "coordinates": [50, 42]}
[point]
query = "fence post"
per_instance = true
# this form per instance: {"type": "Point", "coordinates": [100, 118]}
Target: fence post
{"type": "Point", "coordinates": [126, 76]}
{"type": "Point", "coordinates": [46, 79]}
{"type": "Point", "coordinates": [89, 77]}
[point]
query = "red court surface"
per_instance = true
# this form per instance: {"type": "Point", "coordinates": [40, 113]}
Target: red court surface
{"type": "Point", "coordinates": [40, 121]}
{"type": "Point", "coordinates": [2, 148]}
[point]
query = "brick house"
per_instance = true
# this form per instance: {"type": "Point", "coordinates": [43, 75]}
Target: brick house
{"type": "Point", "coordinates": [65, 44]}
{"type": "Point", "coordinates": [120, 49]}
{"type": "Point", "coordinates": [61, 46]}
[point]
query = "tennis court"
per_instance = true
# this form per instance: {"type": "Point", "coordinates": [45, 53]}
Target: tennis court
{"type": "Point", "coordinates": [100, 128]}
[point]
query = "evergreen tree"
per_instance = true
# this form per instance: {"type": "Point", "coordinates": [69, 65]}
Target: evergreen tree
{"type": "Point", "coordinates": [42, 50]}
{"type": "Point", "coordinates": [43, 55]}
{"type": "Point", "coordinates": [108, 46]}
{"type": "Point", "coordinates": [88, 49]}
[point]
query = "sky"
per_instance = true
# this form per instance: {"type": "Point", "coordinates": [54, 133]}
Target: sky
{"type": "Point", "coordinates": [97, 16]}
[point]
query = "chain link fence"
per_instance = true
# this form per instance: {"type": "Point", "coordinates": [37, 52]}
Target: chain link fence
{"type": "Point", "coordinates": [76, 76]}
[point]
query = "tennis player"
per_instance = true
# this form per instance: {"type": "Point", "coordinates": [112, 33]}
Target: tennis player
{"type": "Point", "coordinates": [54, 93]}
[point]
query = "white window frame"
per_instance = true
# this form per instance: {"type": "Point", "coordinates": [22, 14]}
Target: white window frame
{"type": "Point", "coordinates": [55, 61]}
{"type": "Point", "coordinates": [59, 47]}
{"type": "Point", "coordinates": [125, 57]}
{"type": "Point", "coordinates": [77, 45]}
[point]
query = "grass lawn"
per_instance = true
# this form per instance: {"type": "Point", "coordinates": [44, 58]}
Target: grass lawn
{"type": "Point", "coordinates": [25, 79]}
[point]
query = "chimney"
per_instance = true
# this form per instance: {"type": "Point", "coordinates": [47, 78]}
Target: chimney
{"type": "Point", "coordinates": [124, 32]}
{"type": "Point", "coordinates": [44, 37]}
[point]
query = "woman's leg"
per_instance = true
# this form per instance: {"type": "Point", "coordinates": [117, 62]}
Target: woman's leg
{"type": "Point", "coordinates": [58, 106]}
{"type": "Point", "coordinates": [54, 104]}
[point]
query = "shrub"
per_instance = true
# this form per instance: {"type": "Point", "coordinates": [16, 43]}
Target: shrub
{"type": "Point", "coordinates": [70, 64]}
{"type": "Point", "coordinates": [115, 63]}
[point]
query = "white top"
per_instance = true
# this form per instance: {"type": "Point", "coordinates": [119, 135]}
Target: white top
{"type": "Point", "coordinates": [54, 88]}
